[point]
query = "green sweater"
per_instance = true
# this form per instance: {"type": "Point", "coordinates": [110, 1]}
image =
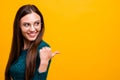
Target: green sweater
{"type": "Point", "coordinates": [17, 69]}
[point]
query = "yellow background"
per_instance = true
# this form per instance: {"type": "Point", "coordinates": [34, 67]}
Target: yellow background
{"type": "Point", "coordinates": [86, 32]}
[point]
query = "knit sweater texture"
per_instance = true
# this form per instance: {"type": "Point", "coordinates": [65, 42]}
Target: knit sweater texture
{"type": "Point", "coordinates": [17, 69]}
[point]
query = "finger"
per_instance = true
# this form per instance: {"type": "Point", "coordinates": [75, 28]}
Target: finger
{"type": "Point", "coordinates": [40, 50]}
{"type": "Point", "coordinates": [49, 48]}
{"type": "Point", "coordinates": [56, 52]}
{"type": "Point", "coordinates": [46, 48]}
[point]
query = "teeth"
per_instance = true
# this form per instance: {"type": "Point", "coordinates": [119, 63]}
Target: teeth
{"type": "Point", "coordinates": [32, 34]}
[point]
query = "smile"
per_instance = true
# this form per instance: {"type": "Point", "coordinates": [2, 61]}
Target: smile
{"type": "Point", "coordinates": [32, 34]}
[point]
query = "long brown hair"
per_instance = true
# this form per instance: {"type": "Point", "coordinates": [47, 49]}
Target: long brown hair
{"type": "Point", "coordinates": [17, 42]}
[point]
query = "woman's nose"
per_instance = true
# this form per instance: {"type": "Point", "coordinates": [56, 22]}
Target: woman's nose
{"type": "Point", "coordinates": [32, 28]}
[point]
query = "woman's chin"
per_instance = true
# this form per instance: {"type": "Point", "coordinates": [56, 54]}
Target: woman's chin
{"type": "Point", "coordinates": [31, 39]}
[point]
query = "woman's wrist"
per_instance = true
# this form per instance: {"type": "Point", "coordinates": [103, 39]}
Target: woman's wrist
{"type": "Point", "coordinates": [43, 66]}
{"type": "Point", "coordinates": [44, 62]}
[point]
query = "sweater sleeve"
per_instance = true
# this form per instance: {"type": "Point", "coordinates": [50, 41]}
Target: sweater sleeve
{"type": "Point", "coordinates": [41, 75]}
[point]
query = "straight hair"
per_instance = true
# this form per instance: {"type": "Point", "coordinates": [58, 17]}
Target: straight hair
{"type": "Point", "coordinates": [18, 43]}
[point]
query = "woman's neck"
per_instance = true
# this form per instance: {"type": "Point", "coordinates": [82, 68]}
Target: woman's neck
{"type": "Point", "coordinates": [26, 44]}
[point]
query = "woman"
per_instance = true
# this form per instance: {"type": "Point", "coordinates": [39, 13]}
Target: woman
{"type": "Point", "coordinates": [30, 56]}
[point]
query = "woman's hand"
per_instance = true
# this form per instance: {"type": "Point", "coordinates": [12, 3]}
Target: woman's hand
{"type": "Point", "coordinates": [45, 55]}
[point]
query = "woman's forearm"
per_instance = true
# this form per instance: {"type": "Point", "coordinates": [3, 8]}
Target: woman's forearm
{"type": "Point", "coordinates": [43, 66]}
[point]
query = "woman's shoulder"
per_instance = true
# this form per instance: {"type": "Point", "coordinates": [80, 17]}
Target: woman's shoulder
{"type": "Point", "coordinates": [43, 44]}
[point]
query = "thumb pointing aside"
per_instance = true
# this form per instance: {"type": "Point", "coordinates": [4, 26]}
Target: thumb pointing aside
{"type": "Point", "coordinates": [56, 52]}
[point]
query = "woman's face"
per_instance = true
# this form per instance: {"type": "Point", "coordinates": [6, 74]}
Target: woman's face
{"type": "Point", "coordinates": [30, 26]}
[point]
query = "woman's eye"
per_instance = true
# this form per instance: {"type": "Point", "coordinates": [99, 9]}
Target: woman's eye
{"type": "Point", "coordinates": [26, 24]}
{"type": "Point", "coordinates": [37, 23]}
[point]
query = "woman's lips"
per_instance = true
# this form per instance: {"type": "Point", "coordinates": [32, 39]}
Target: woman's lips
{"type": "Point", "coordinates": [33, 34]}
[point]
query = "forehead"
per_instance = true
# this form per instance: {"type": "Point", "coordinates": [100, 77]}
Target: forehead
{"type": "Point", "coordinates": [30, 17]}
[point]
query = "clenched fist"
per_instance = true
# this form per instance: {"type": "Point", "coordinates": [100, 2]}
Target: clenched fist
{"type": "Point", "coordinates": [45, 55]}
